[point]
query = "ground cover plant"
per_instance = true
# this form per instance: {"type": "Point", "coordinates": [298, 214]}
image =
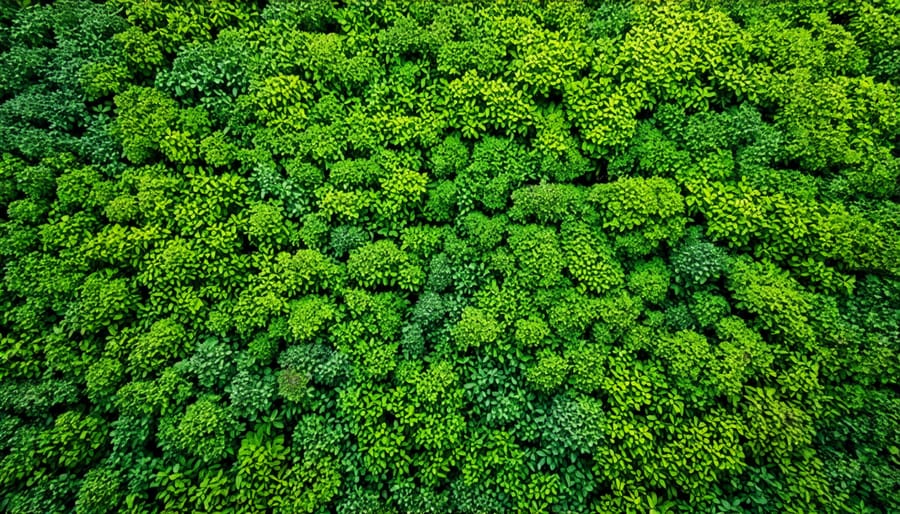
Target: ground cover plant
{"type": "Point", "coordinates": [390, 256]}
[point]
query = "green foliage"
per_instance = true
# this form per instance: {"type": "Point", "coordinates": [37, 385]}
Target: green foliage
{"type": "Point", "coordinates": [652, 207]}
{"type": "Point", "coordinates": [308, 316]}
{"type": "Point", "coordinates": [743, 354]}
{"type": "Point", "coordinates": [531, 332]}
{"type": "Point", "coordinates": [650, 281]}
{"type": "Point", "coordinates": [590, 258]}
{"type": "Point", "coordinates": [538, 254]}
{"type": "Point", "coordinates": [587, 361]}
{"type": "Point", "coordinates": [102, 380]}
{"type": "Point", "coordinates": [476, 328]}
{"type": "Point", "coordinates": [251, 394]}
{"type": "Point", "coordinates": [547, 203]}
{"type": "Point", "coordinates": [267, 227]}
{"type": "Point", "coordinates": [35, 397]}
{"type": "Point", "coordinates": [165, 341]}
{"type": "Point", "coordinates": [211, 362]}
{"type": "Point", "coordinates": [422, 241]}
{"type": "Point", "coordinates": [781, 305]}
{"type": "Point", "coordinates": [73, 439]}
{"type": "Point", "coordinates": [390, 257]}
{"type": "Point", "coordinates": [449, 158]}
{"type": "Point", "coordinates": [686, 353]}
{"type": "Point", "coordinates": [144, 117]}
{"type": "Point", "coordinates": [202, 430]}
{"type": "Point", "coordinates": [696, 262]}
{"type": "Point", "coordinates": [345, 238]}
{"type": "Point", "coordinates": [441, 203]}
{"type": "Point", "coordinates": [100, 492]}
{"type": "Point", "coordinates": [548, 372]}
{"type": "Point", "coordinates": [382, 263]}
{"type": "Point", "coordinates": [102, 302]}
{"type": "Point", "coordinates": [708, 307]}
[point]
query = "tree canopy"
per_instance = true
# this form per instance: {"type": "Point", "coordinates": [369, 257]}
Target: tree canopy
{"type": "Point", "coordinates": [411, 256]}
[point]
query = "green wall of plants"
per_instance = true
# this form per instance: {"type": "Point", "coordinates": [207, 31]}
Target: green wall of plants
{"type": "Point", "coordinates": [384, 256]}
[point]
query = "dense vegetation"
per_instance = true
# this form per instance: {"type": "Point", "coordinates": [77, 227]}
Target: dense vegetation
{"type": "Point", "coordinates": [423, 256]}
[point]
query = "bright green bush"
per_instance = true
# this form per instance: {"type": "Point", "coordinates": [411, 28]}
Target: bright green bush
{"type": "Point", "coordinates": [382, 263]}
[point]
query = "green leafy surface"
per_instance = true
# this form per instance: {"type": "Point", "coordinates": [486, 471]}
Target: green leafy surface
{"type": "Point", "coordinates": [417, 256]}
